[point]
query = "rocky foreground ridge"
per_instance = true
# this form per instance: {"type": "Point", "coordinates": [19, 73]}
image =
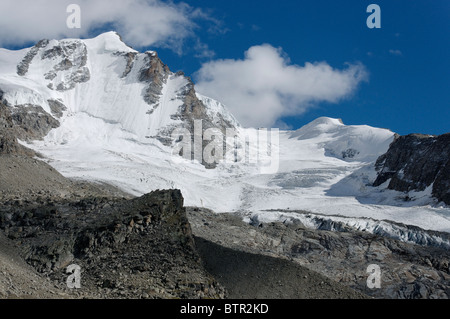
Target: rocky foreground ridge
{"type": "Point", "coordinates": [138, 248]}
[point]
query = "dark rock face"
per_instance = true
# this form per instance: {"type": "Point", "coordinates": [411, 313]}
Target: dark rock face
{"type": "Point", "coordinates": [441, 188]}
{"type": "Point", "coordinates": [70, 58]}
{"type": "Point", "coordinates": [22, 68]}
{"type": "Point", "coordinates": [57, 108]}
{"type": "Point", "coordinates": [130, 57]}
{"type": "Point", "coordinates": [350, 153]}
{"type": "Point", "coordinates": [138, 248]}
{"type": "Point", "coordinates": [414, 162]}
{"type": "Point", "coordinates": [193, 110]}
{"type": "Point", "coordinates": [25, 122]}
{"type": "Point", "coordinates": [31, 122]}
{"type": "Point", "coordinates": [155, 73]}
{"type": "Point", "coordinates": [8, 139]}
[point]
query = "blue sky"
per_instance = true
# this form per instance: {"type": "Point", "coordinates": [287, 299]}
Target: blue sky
{"type": "Point", "coordinates": [396, 77]}
{"type": "Point", "coordinates": [408, 59]}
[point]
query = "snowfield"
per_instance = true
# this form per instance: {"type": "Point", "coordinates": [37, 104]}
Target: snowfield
{"type": "Point", "coordinates": [308, 179]}
{"type": "Point", "coordinates": [325, 168]}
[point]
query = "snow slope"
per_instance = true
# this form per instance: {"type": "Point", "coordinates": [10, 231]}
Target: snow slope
{"type": "Point", "coordinates": [308, 179]}
{"type": "Point", "coordinates": [325, 167]}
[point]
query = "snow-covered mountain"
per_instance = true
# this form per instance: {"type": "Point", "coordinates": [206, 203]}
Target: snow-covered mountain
{"type": "Point", "coordinates": [102, 78]}
{"type": "Point", "coordinates": [105, 112]}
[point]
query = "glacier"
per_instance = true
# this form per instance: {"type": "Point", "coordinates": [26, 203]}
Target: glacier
{"type": "Point", "coordinates": [108, 133]}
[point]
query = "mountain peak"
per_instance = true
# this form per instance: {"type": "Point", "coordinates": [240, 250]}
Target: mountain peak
{"type": "Point", "coordinates": [109, 42]}
{"type": "Point", "coordinates": [327, 121]}
{"type": "Point", "coordinates": [105, 82]}
{"type": "Point", "coordinates": [318, 126]}
{"type": "Point", "coordinates": [348, 142]}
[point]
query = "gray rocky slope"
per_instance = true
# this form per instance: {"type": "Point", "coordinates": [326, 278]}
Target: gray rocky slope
{"type": "Point", "coordinates": [408, 271]}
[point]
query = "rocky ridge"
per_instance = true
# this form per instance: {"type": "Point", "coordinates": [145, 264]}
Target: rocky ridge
{"type": "Point", "coordinates": [8, 134]}
{"type": "Point", "coordinates": [138, 248]}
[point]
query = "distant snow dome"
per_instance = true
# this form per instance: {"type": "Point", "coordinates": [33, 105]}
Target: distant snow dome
{"type": "Point", "coordinates": [347, 142]}
{"type": "Point", "coordinates": [319, 126]}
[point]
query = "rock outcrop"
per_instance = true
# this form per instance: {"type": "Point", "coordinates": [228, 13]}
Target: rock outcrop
{"type": "Point", "coordinates": [69, 63]}
{"type": "Point", "coordinates": [155, 73]}
{"type": "Point", "coordinates": [195, 109]}
{"type": "Point", "coordinates": [8, 135]}
{"type": "Point", "coordinates": [31, 122]}
{"type": "Point", "coordinates": [138, 248]}
{"type": "Point", "coordinates": [415, 162]}
{"type": "Point", "coordinates": [24, 65]}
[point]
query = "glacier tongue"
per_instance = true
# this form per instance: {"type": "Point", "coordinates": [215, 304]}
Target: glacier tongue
{"type": "Point", "coordinates": [401, 232]}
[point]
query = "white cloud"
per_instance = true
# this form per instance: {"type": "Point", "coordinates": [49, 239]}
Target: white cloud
{"type": "Point", "coordinates": [140, 22]}
{"type": "Point", "coordinates": [203, 51]}
{"type": "Point", "coordinates": [264, 87]}
{"type": "Point", "coordinates": [396, 52]}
